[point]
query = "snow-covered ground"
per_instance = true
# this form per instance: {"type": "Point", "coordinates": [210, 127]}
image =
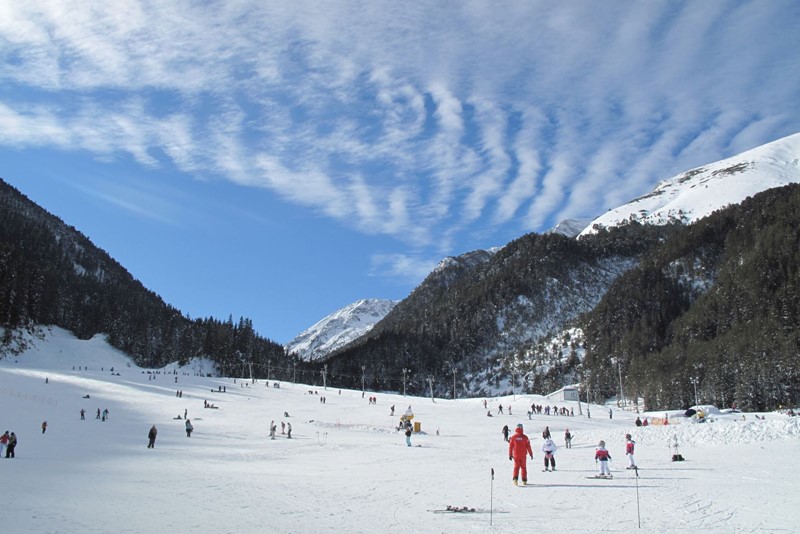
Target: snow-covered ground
{"type": "Point", "coordinates": [346, 469]}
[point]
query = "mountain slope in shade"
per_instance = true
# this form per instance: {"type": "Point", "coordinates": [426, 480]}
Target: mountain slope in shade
{"type": "Point", "coordinates": [697, 193]}
{"type": "Point", "coordinates": [570, 227]}
{"type": "Point", "coordinates": [339, 328]}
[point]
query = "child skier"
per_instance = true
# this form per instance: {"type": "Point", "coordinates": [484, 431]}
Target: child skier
{"type": "Point", "coordinates": [602, 457]}
{"type": "Point", "coordinates": [629, 444]}
{"type": "Point", "coordinates": [567, 439]}
{"type": "Point", "coordinates": [549, 449]}
{"type": "Point", "coordinates": [518, 448]}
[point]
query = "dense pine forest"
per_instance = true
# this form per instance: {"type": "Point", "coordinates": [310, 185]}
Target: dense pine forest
{"type": "Point", "coordinates": [716, 307]}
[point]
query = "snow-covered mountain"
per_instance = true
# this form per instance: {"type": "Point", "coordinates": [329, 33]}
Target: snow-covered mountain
{"type": "Point", "coordinates": [697, 193]}
{"type": "Point", "coordinates": [570, 227]}
{"type": "Point", "coordinates": [339, 328]}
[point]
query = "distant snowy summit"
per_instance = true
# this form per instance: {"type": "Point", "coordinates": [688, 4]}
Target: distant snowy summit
{"type": "Point", "coordinates": [570, 227]}
{"type": "Point", "coordinates": [699, 192]}
{"type": "Point", "coordinates": [339, 328]}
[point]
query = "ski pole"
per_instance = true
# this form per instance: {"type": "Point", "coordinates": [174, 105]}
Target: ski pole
{"type": "Point", "coordinates": [491, 498]}
{"type": "Point", "coordinates": [638, 513]}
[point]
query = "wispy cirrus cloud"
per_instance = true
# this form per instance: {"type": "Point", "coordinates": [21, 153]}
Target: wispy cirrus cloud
{"type": "Point", "coordinates": [428, 122]}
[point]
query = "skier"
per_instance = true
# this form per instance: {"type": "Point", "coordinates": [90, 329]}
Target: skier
{"type": "Point", "coordinates": [3, 443]}
{"type": "Point", "coordinates": [408, 435]}
{"type": "Point", "coordinates": [289, 430]}
{"type": "Point", "coordinates": [44, 427]}
{"type": "Point", "coordinates": [12, 444]}
{"type": "Point", "coordinates": [546, 433]}
{"type": "Point", "coordinates": [151, 436]}
{"type": "Point", "coordinates": [189, 429]}
{"type": "Point", "coordinates": [602, 457]}
{"type": "Point", "coordinates": [567, 439]}
{"type": "Point", "coordinates": [83, 414]}
{"type": "Point", "coordinates": [273, 428]}
{"type": "Point", "coordinates": [505, 432]}
{"type": "Point", "coordinates": [629, 444]}
{"type": "Point", "coordinates": [549, 449]}
{"type": "Point", "coordinates": [518, 447]}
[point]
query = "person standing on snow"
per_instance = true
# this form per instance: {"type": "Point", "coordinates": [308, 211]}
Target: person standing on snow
{"type": "Point", "coordinates": [408, 435]}
{"type": "Point", "coordinates": [151, 436]}
{"type": "Point", "coordinates": [602, 457]}
{"type": "Point", "coordinates": [546, 433]}
{"type": "Point", "coordinates": [3, 443]}
{"type": "Point", "coordinates": [519, 448]}
{"type": "Point", "coordinates": [567, 439]}
{"type": "Point", "coordinates": [12, 444]}
{"type": "Point", "coordinates": [549, 449]}
{"type": "Point", "coordinates": [629, 445]}
{"type": "Point", "coordinates": [505, 432]}
{"type": "Point", "coordinates": [289, 430]}
{"type": "Point", "coordinates": [189, 429]}
{"type": "Point", "coordinates": [44, 427]}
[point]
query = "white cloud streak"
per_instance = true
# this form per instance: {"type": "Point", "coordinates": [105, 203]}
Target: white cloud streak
{"type": "Point", "coordinates": [426, 122]}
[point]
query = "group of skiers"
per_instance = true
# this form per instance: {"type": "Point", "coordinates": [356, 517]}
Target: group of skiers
{"type": "Point", "coordinates": [538, 409]}
{"type": "Point", "coordinates": [519, 449]}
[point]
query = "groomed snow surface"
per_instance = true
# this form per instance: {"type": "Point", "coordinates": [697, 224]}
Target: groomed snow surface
{"type": "Point", "coordinates": [347, 470]}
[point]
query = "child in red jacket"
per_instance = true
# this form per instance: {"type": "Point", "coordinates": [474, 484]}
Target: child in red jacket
{"type": "Point", "coordinates": [601, 456]}
{"type": "Point", "coordinates": [629, 444]}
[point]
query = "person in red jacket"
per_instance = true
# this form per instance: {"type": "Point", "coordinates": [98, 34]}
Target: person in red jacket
{"type": "Point", "coordinates": [519, 448]}
{"type": "Point", "coordinates": [629, 445]}
{"type": "Point", "coordinates": [602, 457]}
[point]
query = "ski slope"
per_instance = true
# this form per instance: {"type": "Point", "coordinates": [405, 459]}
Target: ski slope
{"type": "Point", "coordinates": [346, 469]}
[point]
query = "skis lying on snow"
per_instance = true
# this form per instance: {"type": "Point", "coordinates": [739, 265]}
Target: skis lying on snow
{"type": "Point", "coordinates": [607, 477]}
{"type": "Point", "coordinates": [462, 510]}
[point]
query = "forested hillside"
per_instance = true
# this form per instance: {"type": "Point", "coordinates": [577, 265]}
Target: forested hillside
{"type": "Point", "coordinates": [51, 274]}
{"type": "Point", "coordinates": [718, 304]}
{"type": "Point", "coordinates": [472, 317]}
{"type": "Point", "coordinates": [659, 308]}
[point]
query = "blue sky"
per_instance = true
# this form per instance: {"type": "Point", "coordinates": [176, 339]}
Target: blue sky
{"type": "Point", "coordinates": [279, 160]}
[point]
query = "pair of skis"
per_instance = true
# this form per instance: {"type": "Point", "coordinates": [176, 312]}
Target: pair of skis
{"type": "Point", "coordinates": [463, 510]}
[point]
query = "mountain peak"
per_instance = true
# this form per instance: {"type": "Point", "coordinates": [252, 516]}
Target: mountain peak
{"type": "Point", "coordinates": [339, 328]}
{"type": "Point", "coordinates": [694, 194]}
